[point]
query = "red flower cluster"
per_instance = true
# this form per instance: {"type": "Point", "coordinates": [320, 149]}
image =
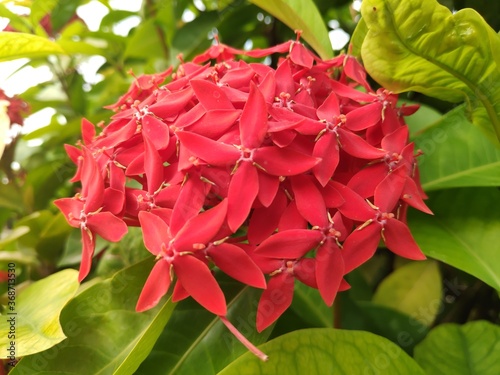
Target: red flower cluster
{"type": "Point", "coordinates": [17, 108]}
{"type": "Point", "coordinates": [278, 174]}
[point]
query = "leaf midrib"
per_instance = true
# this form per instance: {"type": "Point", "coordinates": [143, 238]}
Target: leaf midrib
{"type": "Point", "coordinates": [474, 88]}
{"type": "Point", "coordinates": [429, 185]}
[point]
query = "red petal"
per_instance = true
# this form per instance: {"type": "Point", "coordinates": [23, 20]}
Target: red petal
{"type": "Point", "coordinates": [189, 202]}
{"type": "Point", "coordinates": [389, 190]}
{"type": "Point", "coordinates": [235, 262]}
{"type": "Point", "coordinates": [348, 92]}
{"type": "Point", "coordinates": [156, 131]}
{"type": "Point", "coordinates": [253, 121]}
{"type": "Point", "coordinates": [411, 195]}
{"type": "Point", "coordinates": [155, 232]}
{"type": "Point", "coordinates": [364, 117]}
{"type": "Point", "coordinates": [366, 180]}
{"type": "Point", "coordinates": [268, 188]}
{"type": "Point", "coordinates": [399, 240]}
{"type": "Point", "coordinates": [92, 183]}
{"type": "Point", "coordinates": [354, 206]}
{"type": "Point", "coordinates": [88, 246]}
{"type": "Point", "coordinates": [153, 166]}
{"type": "Point", "coordinates": [354, 70]}
{"type": "Point", "coordinates": [283, 161]}
{"type": "Point", "coordinates": [330, 108]}
{"type": "Point", "coordinates": [71, 209]}
{"type": "Point", "coordinates": [213, 152]}
{"type": "Point", "coordinates": [329, 270]}
{"type": "Point", "coordinates": [265, 220]}
{"type": "Point", "coordinates": [202, 228]}
{"type": "Point", "coordinates": [210, 95]}
{"type": "Point", "coordinates": [356, 146]}
{"type": "Point", "coordinates": [156, 286]}
{"type": "Point", "coordinates": [243, 190]}
{"type": "Point", "coordinates": [300, 55]}
{"type": "Point", "coordinates": [275, 300]}
{"type": "Point", "coordinates": [179, 293]}
{"type": "Point", "coordinates": [309, 200]}
{"type": "Point", "coordinates": [396, 141]}
{"type": "Point", "coordinates": [332, 197]}
{"type": "Point", "coordinates": [114, 200]}
{"type": "Point", "coordinates": [291, 219]}
{"type": "Point", "coordinates": [107, 225]}
{"type": "Point", "coordinates": [88, 131]}
{"type": "Point", "coordinates": [172, 103]}
{"type": "Point", "coordinates": [199, 282]}
{"type": "Point", "coordinates": [214, 123]}
{"type": "Point", "coordinates": [268, 87]}
{"type": "Point", "coordinates": [360, 246]}
{"type": "Point", "coordinates": [326, 148]}
{"type": "Point", "coordinates": [305, 271]}
{"type": "Point", "coordinates": [290, 244]}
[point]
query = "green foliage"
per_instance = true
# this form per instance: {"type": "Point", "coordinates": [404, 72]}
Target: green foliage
{"type": "Point", "coordinates": [473, 348]}
{"type": "Point", "coordinates": [101, 323]}
{"type": "Point", "coordinates": [463, 232]}
{"type": "Point", "coordinates": [413, 289]}
{"type": "Point", "coordinates": [422, 46]}
{"type": "Point", "coordinates": [38, 329]}
{"type": "Point", "coordinates": [17, 45]}
{"type": "Point", "coordinates": [324, 351]}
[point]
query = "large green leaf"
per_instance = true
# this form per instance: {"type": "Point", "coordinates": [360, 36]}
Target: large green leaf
{"type": "Point", "coordinates": [457, 154]}
{"type": "Point", "coordinates": [471, 349]}
{"type": "Point", "coordinates": [194, 336]}
{"type": "Point", "coordinates": [35, 315]}
{"type": "Point", "coordinates": [301, 15]}
{"type": "Point", "coordinates": [17, 45]}
{"type": "Point", "coordinates": [464, 232]}
{"type": "Point", "coordinates": [327, 351]}
{"type": "Point", "coordinates": [419, 45]}
{"type": "Point", "coordinates": [105, 334]}
{"type": "Point", "coordinates": [413, 289]}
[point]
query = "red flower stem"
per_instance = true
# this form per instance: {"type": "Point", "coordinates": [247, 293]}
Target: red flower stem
{"type": "Point", "coordinates": [243, 339]}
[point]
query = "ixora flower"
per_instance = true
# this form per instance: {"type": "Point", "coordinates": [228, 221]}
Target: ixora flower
{"type": "Point", "coordinates": [270, 175]}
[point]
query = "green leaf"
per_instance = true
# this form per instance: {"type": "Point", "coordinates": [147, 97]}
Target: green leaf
{"type": "Point", "coordinates": [194, 336]}
{"type": "Point", "coordinates": [17, 22]}
{"type": "Point", "coordinates": [308, 304]}
{"type": "Point", "coordinates": [463, 231]}
{"type": "Point", "coordinates": [470, 349]}
{"type": "Point", "coordinates": [421, 46]}
{"type": "Point", "coordinates": [413, 289]}
{"type": "Point", "coordinates": [327, 351]}
{"type": "Point", "coordinates": [457, 154]}
{"type": "Point", "coordinates": [17, 45]}
{"type": "Point", "coordinates": [357, 38]}
{"type": "Point", "coordinates": [145, 42]}
{"type": "Point", "coordinates": [36, 318]}
{"type": "Point", "coordinates": [40, 8]}
{"type": "Point", "coordinates": [105, 334]}
{"type": "Point", "coordinates": [301, 15]}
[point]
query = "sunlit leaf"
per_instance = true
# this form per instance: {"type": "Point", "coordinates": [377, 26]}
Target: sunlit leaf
{"type": "Point", "coordinates": [421, 46]}
{"type": "Point", "coordinates": [327, 351]}
{"type": "Point", "coordinates": [38, 329]}
{"type": "Point", "coordinates": [17, 45]}
{"type": "Point", "coordinates": [463, 232]}
{"type": "Point", "coordinates": [473, 348]}
{"type": "Point", "coordinates": [104, 333]}
{"type": "Point", "coordinates": [456, 154]}
{"type": "Point", "coordinates": [413, 289]}
{"type": "Point", "coordinates": [301, 15]}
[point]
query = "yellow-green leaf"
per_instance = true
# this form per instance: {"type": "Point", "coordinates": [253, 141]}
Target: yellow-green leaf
{"type": "Point", "coordinates": [35, 315]}
{"type": "Point", "coordinates": [471, 349]}
{"type": "Point", "coordinates": [413, 289]}
{"type": "Point", "coordinates": [419, 45]}
{"type": "Point", "coordinates": [327, 351]}
{"type": "Point", "coordinates": [17, 45]}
